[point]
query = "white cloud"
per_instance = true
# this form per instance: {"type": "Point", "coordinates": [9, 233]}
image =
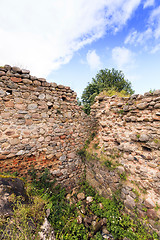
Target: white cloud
{"type": "Point", "coordinates": [149, 37]}
{"type": "Point", "coordinates": [156, 49]}
{"type": "Point", "coordinates": [43, 35]}
{"type": "Point", "coordinates": [136, 38]}
{"type": "Point", "coordinates": [93, 59]}
{"type": "Point", "coordinates": [155, 22]}
{"type": "Point", "coordinates": [148, 3]}
{"type": "Point", "coordinates": [123, 57]}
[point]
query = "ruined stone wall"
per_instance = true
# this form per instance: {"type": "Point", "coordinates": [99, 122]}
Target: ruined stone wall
{"type": "Point", "coordinates": [129, 137]}
{"type": "Point", "coordinates": [41, 125]}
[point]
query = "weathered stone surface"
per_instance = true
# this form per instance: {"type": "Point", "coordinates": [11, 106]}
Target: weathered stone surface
{"type": "Point", "coordinates": [142, 106]}
{"type": "Point", "coordinates": [2, 93]}
{"type": "Point", "coordinates": [27, 81]}
{"type": "Point", "coordinates": [151, 213]}
{"type": "Point", "coordinates": [24, 71]}
{"type": "Point", "coordinates": [126, 108]}
{"type": "Point", "coordinates": [32, 106]}
{"type": "Point", "coordinates": [120, 169]}
{"type": "Point", "coordinates": [148, 203]}
{"type": "Point", "coordinates": [144, 137]}
{"type": "Point", "coordinates": [9, 187]}
{"type": "Point", "coordinates": [81, 196]}
{"type": "Point", "coordinates": [16, 80]}
{"type": "Point", "coordinates": [2, 73]}
{"type": "Point", "coordinates": [16, 69]}
{"type": "Point", "coordinates": [33, 124]}
{"type": "Point", "coordinates": [156, 92]}
{"type": "Point", "coordinates": [129, 202]}
{"type": "Point", "coordinates": [136, 134]}
{"type": "Point", "coordinates": [157, 105]}
{"type": "Point", "coordinates": [45, 128]}
{"type": "Point", "coordinates": [47, 232]}
{"type": "Point", "coordinates": [89, 199]}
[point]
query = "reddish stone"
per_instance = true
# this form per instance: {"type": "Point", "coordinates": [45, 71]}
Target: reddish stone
{"type": "Point", "coordinates": [35, 116]}
{"type": "Point", "coordinates": [156, 118]}
{"type": "Point", "coordinates": [2, 157]}
{"type": "Point", "coordinates": [16, 80]}
{"type": "Point", "coordinates": [5, 115]}
{"type": "Point", "coordinates": [63, 137]}
{"type": "Point", "coordinates": [152, 214]}
{"type": "Point", "coordinates": [9, 104]}
{"type": "Point", "coordinates": [29, 122]}
{"type": "Point", "coordinates": [9, 133]}
{"type": "Point", "coordinates": [20, 106]}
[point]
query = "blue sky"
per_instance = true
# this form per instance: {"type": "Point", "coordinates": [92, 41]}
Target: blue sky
{"type": "Point", "coordinates": [69, 41]}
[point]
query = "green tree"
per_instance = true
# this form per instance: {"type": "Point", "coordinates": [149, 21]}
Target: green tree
{"type": "Point", "coordinates": [105, 80]}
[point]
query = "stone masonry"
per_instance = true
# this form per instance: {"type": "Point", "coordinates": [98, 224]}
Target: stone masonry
{"type": "Point", "coordinates": [41, 125]}
{"type": "Point", "coordinates": [129, 132]}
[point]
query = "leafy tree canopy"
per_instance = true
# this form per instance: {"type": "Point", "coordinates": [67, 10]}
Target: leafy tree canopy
{"type": "Point", "coordinates": [106, 80]}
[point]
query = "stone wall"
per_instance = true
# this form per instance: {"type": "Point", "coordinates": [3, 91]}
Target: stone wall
{"type": "Point", "coordinates": [129, 137]}
{"type": "Point", "coordinates": [41, 125]}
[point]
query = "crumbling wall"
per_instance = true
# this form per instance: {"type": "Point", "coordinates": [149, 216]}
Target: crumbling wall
{"type": "Point", "coordinates": [129, 133]}
{"type": "Point", "coordinates": [41, 125]}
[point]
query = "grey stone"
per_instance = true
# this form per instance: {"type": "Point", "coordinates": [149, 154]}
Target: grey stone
{"type": "Point", "coordinates": [33, 78]}
{"type": "Point", "coordinates": [148, 203]}
{"type": "Point", "coordinates": [47, 231]}
{"type": "Point", "coordinates": [42, 96]}
{"type": "Point", "coordinates": [120, 169]}
{"type": "Point", "coordinates": [21, 152]}
{"type": "Point", "coordinates": [25, 76]}
{"type": "Point", "coordinates": [2, 73]}
{"type": "Point", "coordinates": [2, 93]}
{"type": "Point", "coordinates": [16, 69]}
{"type": "Point", "coordinates": [24, 71]}
{"type": "Point", "coordinates": [9, 186]}
{"type": "Point", "coordinates": [134, 96]}
{"type": "Point", "coordinates": [32, 106]}
{"type": "Point", "coordinates": [79, 219]}
{"type": "Point", "coordinates": [127, 147]}
{"type": "Point", "coordinates": [156, 92]}
{"type": "Point", "coordinates": [68, 114]}
{"type": "Point", "coordinates": [129, 202]}
{"type": "Point", "coordinates": [157, 105]}
{"type": "Point", "coordinates": [126, 108]}
{"type": "Point", "coordinates": [89, 199]}
{"type": "Point", "coordinates": [7, 67]}
{"type": "Point", "coordinates": [144, 138]}
{"type": "Point", "coordinates": [42, 79]}
{"type": "Point", "coordinates": [62, 158]}
{"type": "Point", "coordinates": [142, 106]}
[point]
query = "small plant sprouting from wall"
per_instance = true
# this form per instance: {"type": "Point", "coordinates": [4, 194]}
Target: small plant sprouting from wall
{"type": "Point", "coordinates": [120, 111]}
{"type": "Point", "coordinates": [136, 193]}
{"type": "Point", "coordinates": [123, 176]}
{"type": "Point", "coordinates": [157, 141]}
{"type": "Point", "coordinates": [138, 136]}
{"type": "Point", "coordinates": [157, 207]}
{"type": "Point", "coordinates": [144, 191]}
